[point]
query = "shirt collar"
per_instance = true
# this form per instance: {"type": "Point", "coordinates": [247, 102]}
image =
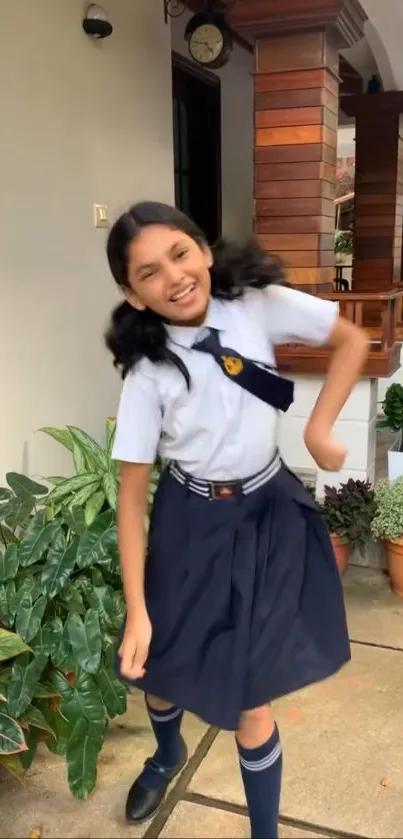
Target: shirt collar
{"type": "Point", "coordinates": [186, 336]}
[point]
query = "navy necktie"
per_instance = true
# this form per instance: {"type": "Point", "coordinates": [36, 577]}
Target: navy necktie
{"type": "Point", "coordinates": [258, 380]}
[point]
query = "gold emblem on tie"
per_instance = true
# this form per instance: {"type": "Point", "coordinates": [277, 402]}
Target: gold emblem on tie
{"type": "Point", "coordinates": [233, 366]}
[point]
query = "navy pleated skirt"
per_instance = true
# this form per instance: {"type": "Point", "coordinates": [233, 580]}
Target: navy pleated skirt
{"type": "Point", "coordinates": [244, 598]}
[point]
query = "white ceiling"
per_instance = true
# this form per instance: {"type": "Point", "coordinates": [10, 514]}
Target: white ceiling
{"type": "Point", "coordinates": [382, 47]}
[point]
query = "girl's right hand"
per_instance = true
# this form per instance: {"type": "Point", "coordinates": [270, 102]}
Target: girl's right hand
{"type": "Point", "coordinates": [133, 650]}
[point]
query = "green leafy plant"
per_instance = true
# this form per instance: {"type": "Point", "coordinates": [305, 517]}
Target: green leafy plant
{"type": "Point", "coordinates": [155, 476]}
{"type": "Point", "coordinates": [349, 510]}
{"type": "Point", "coordinates": [343, 242]}
{"type": "Point", "coordinates": [61, 599]}
{"type": "Point", "coordinates": [95, 484]}
{"type": "Point", "coordinates": [311, 490]}
{"type": "Point", "coordinates": [392, 407]}
{"type": "Point", "coordinates": [16, 732]}
{"type": "Point", "coordinates": [388, 520]}
{"type": "Point", "coordinates": [60, 591]}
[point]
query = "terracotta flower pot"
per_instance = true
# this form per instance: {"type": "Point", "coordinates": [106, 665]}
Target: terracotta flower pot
{"type": "Point", "coordinates": [341, 552]}
{"type": "Point", "coordinates": [394, 558]}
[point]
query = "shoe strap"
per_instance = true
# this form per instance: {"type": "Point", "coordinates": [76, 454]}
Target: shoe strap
{"type": "Point", "coordinates": [164, 771]}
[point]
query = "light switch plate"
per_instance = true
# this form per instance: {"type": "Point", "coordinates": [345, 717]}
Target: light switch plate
{"type": "Point", "coordinates": [101, 215]}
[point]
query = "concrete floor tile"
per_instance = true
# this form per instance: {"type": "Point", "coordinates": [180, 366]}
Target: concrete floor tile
{"type": "Point", "coordinates": [343, 750]}
{"type": "Point", "coordinates": [375, 613]}
{"type": "Point", "coordinates": [200, 822]}
{"type": "Point", "coordinates": [218, 775]}
{"type": "Point", "coordinates": [44, 800]}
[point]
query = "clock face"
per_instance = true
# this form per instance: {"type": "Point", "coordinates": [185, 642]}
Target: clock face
{"type": "Point", "coordinates": [206, 43]}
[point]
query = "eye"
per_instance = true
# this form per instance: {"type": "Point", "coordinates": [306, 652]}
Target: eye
{"type": "Point", "coordinates": [148, 274]}
{"type": "Point", "coordinates": [180, 254]}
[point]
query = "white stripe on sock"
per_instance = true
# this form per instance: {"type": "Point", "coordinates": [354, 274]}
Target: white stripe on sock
{"type": "Point", "coordinates": [264, 763]}
{"type": "Point", "coordinates": [165, 717]}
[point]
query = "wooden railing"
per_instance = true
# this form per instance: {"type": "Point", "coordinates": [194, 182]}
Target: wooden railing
{"type": "Point", "coordinates": [352, 307]}
{"type": "Point", "coordinates": [385, 337]}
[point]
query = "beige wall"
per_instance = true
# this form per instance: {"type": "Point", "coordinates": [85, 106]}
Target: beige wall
{"type": "Point", "coordinates": [81, 122]}
{"type": "Point", "coordinates": [237, 134]}
{"type": "Point", "coordinates": [84, 122]}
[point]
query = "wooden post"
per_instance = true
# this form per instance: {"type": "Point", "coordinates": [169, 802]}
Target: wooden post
{"type": "Point", "coordinates": [296, 103]}
{"type": "Point", "coordinates": [378, 224]}
{"type": "Point", "coordinates": [296, 45]}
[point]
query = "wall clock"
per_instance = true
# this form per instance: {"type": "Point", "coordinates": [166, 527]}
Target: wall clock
{"type": "Point", "coordinates": [209, 40]}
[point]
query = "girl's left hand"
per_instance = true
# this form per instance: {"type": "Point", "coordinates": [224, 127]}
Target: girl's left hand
{"type": "Point", "coordinates": [326, 451]}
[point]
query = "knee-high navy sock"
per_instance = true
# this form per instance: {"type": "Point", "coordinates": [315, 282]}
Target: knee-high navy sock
{"type": "Point", "coordinates": [166, 726]}
{"type": "Point", "coordinates": [261, 770]}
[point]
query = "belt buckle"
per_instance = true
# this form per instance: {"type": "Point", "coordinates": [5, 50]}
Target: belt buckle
{"type": "Point", "coordinates": [221, 491]}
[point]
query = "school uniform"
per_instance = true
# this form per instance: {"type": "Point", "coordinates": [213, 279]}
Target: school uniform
{"type": "Point", "coordinates": [241, 585]}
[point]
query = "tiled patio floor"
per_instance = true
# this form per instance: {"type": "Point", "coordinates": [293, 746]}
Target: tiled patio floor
{"type": "Point", "coordinates": [343, 755]}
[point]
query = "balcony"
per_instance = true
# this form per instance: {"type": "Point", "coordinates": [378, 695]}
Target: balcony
{"type": "Point", "coordinates": [385, 336]}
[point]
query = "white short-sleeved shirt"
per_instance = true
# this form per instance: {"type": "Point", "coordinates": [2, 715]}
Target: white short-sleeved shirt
{"type": "Point", "coordinates": [217, 430]}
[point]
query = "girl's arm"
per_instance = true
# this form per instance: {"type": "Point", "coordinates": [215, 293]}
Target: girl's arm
{"type": "Point", "coordinates": [132, 510]}
{"type": "Point", "coordinates": [351, 346]}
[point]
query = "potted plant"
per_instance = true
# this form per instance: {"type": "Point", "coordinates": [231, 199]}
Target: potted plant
{"type": "Point", "coordinates": [61, 610]}
{"type": "Point", "coordinates": [61, 593]}
{"type": "Point", "coordinates": [343, 245]}
{"type": "Point", "coordinates": [392, 407]}
{"type": "Point", "coordinates": [94, 486]}
{"type": "Point", "coordinates": [387, 526]}
{"type": "Point", "coordinates": [348, 511]}
{"type": "Point", "coordinates": [61, 598]}
{"type": "Point", "coordinates": [311, 490]}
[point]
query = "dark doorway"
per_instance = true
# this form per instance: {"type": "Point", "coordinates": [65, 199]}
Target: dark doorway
{"type": "Point", "coordinates": [197, 144]}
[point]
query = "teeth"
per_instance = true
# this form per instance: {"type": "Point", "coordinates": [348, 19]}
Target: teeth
{"type": "Point", "coordinates": [182, 293]}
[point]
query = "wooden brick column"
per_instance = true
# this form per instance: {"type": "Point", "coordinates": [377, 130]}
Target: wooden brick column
{"type": "Point", "coordinates": [378, 221]}
{"type": "Point", "coordinates": [296, 103]}
{"type": "Point", "coordinates": [296, 45]}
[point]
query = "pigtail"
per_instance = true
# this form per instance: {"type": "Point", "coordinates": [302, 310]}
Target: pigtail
{"type": "Point", "coordinates": [238, 267]}
{"type": "Point", "coordinates": [133, 335]}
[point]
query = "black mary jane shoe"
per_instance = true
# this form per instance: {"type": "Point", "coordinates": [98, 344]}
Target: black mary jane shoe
{"type": "Point", "coordinates": [141, 802]}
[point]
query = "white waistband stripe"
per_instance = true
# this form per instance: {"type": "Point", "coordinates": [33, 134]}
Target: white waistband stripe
{"type": "Point", "coordinates": [202, 487]}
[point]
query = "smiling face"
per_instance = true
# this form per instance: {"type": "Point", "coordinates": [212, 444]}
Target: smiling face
{"type": "Point", "coordinates": [169, 273]}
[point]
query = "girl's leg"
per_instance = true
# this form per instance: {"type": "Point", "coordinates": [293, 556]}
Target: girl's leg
{"type": "Point", "coordinates": [166, 723]}
{"type": "Point", "coordinates": [149, 788]}
{"type": "Point", "coordinates": [260, 759]}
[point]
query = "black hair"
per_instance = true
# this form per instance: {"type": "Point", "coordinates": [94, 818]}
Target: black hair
{"type": "Point", "coordinates": [133, 334]}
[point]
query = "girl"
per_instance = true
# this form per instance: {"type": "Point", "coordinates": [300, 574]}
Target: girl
{"type": "Point", "coordinates": [236, 599]}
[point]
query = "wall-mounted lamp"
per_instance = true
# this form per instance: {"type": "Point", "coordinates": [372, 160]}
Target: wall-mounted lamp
{"type": "Point", "coordinates": [96, 22]}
